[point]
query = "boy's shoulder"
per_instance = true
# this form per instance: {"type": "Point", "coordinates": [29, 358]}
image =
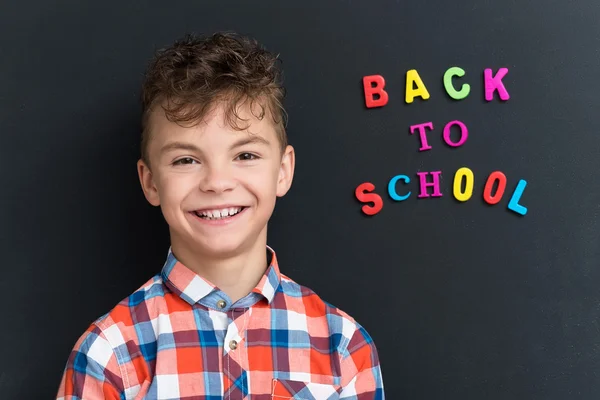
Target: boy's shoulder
{"type": "Point", "coordinates": [142, 305]}
{"type": "Point", "coordinates": [314, 304]}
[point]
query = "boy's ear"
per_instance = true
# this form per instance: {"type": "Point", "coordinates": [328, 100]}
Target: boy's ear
{"type": "Point", "coordinates": [286, 171]}
{"type": "Point", "coordinates": [147, 182]}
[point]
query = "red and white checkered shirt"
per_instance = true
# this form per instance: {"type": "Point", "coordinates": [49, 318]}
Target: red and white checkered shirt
{"type": "Point", "coordinates": [179, 337]}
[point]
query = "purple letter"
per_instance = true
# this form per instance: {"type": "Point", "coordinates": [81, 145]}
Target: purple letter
{"type": "Point", "coordinates": [421, 128]}
{"type": "Point", "coordinates": [493, 83]}
{"type": "Point", "coordinates": [464, 134]}
{"type": "Point", "coordinates": [435, 183]}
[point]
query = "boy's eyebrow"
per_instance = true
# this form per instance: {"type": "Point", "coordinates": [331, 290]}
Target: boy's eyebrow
{"type": "Point", "coordinates": [250, 140]}
{"type": "Point", "coordinates": [178, 146]}
{"type": "Point", "coordinates": [192, 147]}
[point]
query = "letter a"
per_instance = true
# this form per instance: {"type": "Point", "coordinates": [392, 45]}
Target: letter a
{"type": "Point", "coordinates": [412, 78]}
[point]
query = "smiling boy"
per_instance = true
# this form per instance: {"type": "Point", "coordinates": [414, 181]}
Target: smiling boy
{"type": "Point", "coordinates": [220, 321]}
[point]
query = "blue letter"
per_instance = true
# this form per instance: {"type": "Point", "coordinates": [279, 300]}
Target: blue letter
{"type": "Point", "coordinates": [514, 200]}
{"type": "Point", "coordinates": [392, 187]}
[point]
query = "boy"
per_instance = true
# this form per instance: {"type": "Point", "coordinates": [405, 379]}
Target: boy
{"type": "Point", "coordinates": [220, 321]}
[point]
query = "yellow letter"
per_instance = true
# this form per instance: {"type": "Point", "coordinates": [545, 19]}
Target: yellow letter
{"type": "Point", "coordinates": [458, 177]}
{"type": "Point", "coordinates": [413, 77]}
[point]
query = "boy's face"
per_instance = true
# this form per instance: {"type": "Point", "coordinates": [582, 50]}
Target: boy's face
{"type": "Point", "coordinates": [216, 186]}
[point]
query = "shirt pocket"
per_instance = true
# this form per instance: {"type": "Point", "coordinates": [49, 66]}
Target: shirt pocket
{"type": "Point", "coordinates": [284, 389]}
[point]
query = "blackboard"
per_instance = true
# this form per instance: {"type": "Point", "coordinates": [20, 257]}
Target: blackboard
{"type": "Point", "coordinates": [465, 300]}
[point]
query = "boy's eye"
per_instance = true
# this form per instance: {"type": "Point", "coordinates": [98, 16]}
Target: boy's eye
{"type": "Point", "coordinates": [185, 160]}
{"type": "Point", "coordinates": [247, 156]}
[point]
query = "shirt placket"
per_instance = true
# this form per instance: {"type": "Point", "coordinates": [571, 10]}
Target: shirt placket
{"type": "Point", "coordinates": [235, 377]}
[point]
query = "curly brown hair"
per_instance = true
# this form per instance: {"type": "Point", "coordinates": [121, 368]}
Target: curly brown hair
{"type": "Point", "coordinates": [194, 74]}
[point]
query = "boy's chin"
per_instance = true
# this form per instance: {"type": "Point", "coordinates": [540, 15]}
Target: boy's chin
{"type": "Point", "coordinates": [229, 244]}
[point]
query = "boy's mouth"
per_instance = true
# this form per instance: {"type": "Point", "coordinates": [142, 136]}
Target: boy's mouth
{"type": "Point", "coordinates": [220, 213]}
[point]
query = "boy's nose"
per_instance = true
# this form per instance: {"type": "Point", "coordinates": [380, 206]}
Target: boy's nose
{"type": "Point", "coordinates": [217, 180]}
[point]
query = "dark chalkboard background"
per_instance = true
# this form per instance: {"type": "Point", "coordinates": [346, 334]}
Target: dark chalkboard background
{"type": "Point", "coordinates": [464, 300]}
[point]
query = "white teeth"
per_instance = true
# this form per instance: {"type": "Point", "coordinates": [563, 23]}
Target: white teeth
{"type": "Point", "coordinates": [215, 214]}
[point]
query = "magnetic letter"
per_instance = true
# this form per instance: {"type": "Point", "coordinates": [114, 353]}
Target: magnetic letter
{"type": "Point", "coordinates": [514, 205]}
{"type": "Point", "coordinates": [421, 128]}
{"type": "Point", "coordinates": [392, 187]}
{"type": "Point", "coordinates": [413, 77]}
{"type": "Point", "coordinates": [465, 88]}
{"type": "Point", "coordinates": [489, 185]}
{"type": "Point", "coordinates": [493, 83]}
{"type": "Point", "coordinates": [364, 194]}
{"type": "Point", "coordinates": [372, 90]}
{"type": "Point", "coordinates": [464, 134]}
{"type": "Point", "coordinates": [461, 173]}
{"type": "Point", "coordinates": [435, 183]}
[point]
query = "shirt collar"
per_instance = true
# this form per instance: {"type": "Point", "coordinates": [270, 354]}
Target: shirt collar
{"type": "Point", "coordinates": [192, 287]}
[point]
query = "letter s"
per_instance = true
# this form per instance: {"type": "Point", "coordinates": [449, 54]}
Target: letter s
{"type": "Point", "coordinates": [364, 194]}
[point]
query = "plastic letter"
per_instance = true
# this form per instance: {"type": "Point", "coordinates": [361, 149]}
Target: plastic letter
{"type": "Point", "coordinates": [412, 77]}
{"type": "Point", "coordinates": [465, 88]}
{"type": "Point", "coordinates": [364, 194]}
{"type": "Point", "coordinates": [377, 89]}
{"type": "Point", "coordinates": [489, 185]}
{"type": "Point", "coordinates": [493, 83]}
{"type": "Point", "coordinates": [461, 173]}
{"type": "Point", "coordinates": [423, 136]}
{"type": "Point", "coordinates": [392, 188]}
{"type": "Point", "coordinates": [435, 184]}
{"type": "Point", "coordinates": [514, 205]}
{"type": "Point", "coordinates": [464, 134]}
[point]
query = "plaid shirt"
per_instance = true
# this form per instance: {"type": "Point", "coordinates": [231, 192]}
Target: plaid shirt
{"type": "Point", "coordinates": [178, 337]}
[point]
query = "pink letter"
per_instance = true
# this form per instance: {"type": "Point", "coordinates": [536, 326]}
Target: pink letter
{"type": "Point", "coordinates": [435, 183]}
{"type": "Point", "coordinates": [493, 83]}
{"type": "Point", "coordinates": [464, 134]}
{"type": "Point", "coordinates": [421, 128]}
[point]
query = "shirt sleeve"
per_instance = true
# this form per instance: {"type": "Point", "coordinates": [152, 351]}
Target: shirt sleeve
{"type": "Point", "coordinates": [92, 371]}
{"type": "Point", "coordinates": [361, 370]}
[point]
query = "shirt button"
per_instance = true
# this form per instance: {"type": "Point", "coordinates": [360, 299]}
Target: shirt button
{"type": "Point", "coordinates": [221, 303]}
{"type": "Point", "coordinates": [233, 345]}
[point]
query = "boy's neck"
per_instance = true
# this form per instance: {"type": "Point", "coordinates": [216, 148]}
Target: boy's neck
{"type": "Point", "coordinates": [236, 276]}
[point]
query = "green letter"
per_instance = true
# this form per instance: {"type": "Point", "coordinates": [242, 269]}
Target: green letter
{"type": "Point", "coordinates": [464, 91]}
